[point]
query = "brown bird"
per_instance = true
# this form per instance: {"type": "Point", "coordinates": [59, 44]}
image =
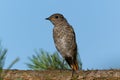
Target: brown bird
{"type": "Point", "coordinates": [65, 40]}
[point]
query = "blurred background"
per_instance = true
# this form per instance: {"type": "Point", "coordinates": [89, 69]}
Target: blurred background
{"type": "Point", "coordinates": [23, 29]}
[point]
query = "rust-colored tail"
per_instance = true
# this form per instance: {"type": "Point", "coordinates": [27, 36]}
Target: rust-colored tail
{"type": "Point", "coordinates": [74, 66]}
{"type": "Point", "coordinates": [72, 63]}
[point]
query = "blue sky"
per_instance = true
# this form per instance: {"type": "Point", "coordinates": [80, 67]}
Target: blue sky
{"type": "Point", "coordinates": [23, 29]}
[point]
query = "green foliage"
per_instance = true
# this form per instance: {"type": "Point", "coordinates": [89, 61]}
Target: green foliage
{"type": "Point", "coordinates": [43, 60]}
{"type": "Point", "coordinates": [2, 62]}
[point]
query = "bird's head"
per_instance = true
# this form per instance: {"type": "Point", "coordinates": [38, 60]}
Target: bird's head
{"type": "Point", "coordinates": [56, 18]}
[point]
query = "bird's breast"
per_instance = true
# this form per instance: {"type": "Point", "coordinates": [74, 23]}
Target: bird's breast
{"type": "Point", "coordinates": [64, 40]}
{"type": "Point", "coordinates": [59, 36]}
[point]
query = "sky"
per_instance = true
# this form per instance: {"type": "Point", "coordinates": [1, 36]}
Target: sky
{"type": "Point", "coordinates": [23, 29]}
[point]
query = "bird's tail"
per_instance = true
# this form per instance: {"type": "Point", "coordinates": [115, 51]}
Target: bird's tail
{"type": "Point", "coordinates": [72, 63]}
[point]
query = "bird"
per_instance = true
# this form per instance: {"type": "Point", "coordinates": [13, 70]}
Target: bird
{"type": "Point", "coordinates": [65, 40]}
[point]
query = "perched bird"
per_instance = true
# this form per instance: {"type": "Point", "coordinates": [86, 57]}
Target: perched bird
{"type": "Point", "coordinates": [64, 39]}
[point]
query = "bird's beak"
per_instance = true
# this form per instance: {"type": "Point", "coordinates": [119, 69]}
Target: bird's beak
{"type": "Point", "coordinates": [47, 18]}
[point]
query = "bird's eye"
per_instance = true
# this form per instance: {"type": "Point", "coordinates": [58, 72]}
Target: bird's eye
{"type": "Point", "coordinates": [56, 17]}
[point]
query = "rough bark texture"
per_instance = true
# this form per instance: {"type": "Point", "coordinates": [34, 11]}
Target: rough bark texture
{"type": "Point", "coordinates": [62, 75]}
